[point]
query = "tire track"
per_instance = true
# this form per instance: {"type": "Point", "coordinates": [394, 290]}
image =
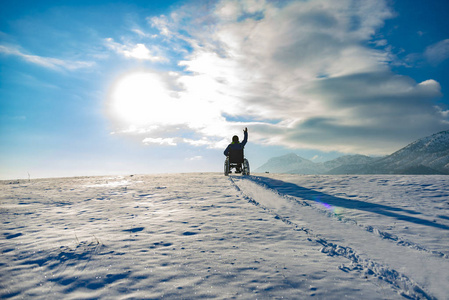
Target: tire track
{"type": "Point", "coordinates": [371, 229]}
{"type": "Point", "coordinates": [405, 286]}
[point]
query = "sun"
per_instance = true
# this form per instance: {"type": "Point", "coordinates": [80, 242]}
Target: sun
{"type": "Point", "coordinates": [140, 98]}
{"type": "Point", "coordinates": [146, 103]}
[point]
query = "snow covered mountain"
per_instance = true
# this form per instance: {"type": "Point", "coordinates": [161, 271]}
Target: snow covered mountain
{"type": "Point", "coordinates": [429, 155]}
{"type": "Point", "coordinates": [352, 160]}
{"type": "Point", "coordinates": [294, 164]}
{"type": "Point", "coordinates": [291, 164]}
{"type": "Point", "coordinates": [426, 155]}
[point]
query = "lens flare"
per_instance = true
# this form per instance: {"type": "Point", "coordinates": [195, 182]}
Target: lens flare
{"type": "Point", "coordinates": [335, 210]}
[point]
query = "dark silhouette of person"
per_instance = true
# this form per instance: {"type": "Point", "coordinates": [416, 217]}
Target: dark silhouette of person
{"type": "Point", "coordinates": [236, 145]}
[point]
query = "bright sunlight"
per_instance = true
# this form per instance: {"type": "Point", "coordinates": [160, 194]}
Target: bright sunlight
{"type": "Point", "coordinates": [142, 103]}
{"type": "Point", "coordinates": [141, 98]}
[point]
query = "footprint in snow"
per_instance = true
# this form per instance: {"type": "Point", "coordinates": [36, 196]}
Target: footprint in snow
{"type": "Point", "coordinates": [11, 236]}
{"type": "Point", "coordinates": [137, 229]}
{"type": "Point", "coordinates": [161, 244]}
{"type": "Point", "coordinates": [189, 233]}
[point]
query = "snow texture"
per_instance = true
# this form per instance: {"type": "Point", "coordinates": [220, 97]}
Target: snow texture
{"type": "Point", "coordinates": [190, 236]}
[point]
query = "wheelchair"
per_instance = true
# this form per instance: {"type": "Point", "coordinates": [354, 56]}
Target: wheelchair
{"type": "Point", "coordinates": [236, 160]}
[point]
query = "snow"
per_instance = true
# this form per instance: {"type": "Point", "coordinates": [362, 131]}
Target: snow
{"type": "Point", "coordinates": [204, 235]}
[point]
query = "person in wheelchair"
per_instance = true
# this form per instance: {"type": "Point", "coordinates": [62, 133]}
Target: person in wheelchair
{"type": "Point", "coordinates": [234, 152]}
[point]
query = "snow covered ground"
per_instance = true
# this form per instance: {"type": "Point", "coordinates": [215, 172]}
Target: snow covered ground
{"type": "Point", "coordinates": [205, 235]}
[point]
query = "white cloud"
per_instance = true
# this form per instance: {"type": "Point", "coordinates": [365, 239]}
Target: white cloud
{"type": "Point", "coordinates": [161, 23]}
{"type": "Point", "coordinates": [209, 143]}
{"type": "Point", "coordinates": [159, 141]}
{"type": "Point", "coordinates": [143, 34]}
{"type": "Point", "coordinates": [381, 43]}
{"type": "Point", "coordinates": [298, 74]}
{"type": "Point", "coordinates": [137, 51]}
{"type": "Point", "coordinates": [437, 52]}
{"type": "Point", "coordinates": [47, 62]}
{"type": "Point", "coordinates": [194, 158]}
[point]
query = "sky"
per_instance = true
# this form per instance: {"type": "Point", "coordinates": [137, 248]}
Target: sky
{"type": "Point", "coordinates": [128, 87]}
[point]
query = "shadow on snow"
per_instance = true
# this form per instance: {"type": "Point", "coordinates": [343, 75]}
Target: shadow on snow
{"type": "Point", "coordinates": [291, 189]}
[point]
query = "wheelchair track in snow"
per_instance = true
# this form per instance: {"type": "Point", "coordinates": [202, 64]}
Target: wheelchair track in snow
{"type": "Point", "coordinates": [321, 228]}
{"type": "Point", "coordinates": [371, 229]}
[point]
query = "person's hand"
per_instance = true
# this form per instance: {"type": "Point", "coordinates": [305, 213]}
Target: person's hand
{"type": "Point", "coordinates": [245, 130]}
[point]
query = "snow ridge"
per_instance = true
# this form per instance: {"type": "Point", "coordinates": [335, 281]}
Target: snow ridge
{"type": "Point", "coordinates": [405, 286]}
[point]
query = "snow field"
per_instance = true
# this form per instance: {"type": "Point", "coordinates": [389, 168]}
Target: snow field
{"type": "Point", "coordinates": [188, 236]}
{"type": "Point", "coordinates": [394, 234]}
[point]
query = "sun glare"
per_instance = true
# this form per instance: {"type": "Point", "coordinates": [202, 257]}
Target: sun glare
{"type": "Point", "coordinates": [141, 98]}
{"type": "Point", "coordinates": [143, 102]}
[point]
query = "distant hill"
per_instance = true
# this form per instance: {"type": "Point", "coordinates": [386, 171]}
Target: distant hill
{"type": "Point", "coordinates": [429, 155]}
{"type": "Point", "coordinates": [294, 164]}
{"type": "Point", "coordinates": [349, 160]}
{"type": "Point", "coordinates": [426, 155]}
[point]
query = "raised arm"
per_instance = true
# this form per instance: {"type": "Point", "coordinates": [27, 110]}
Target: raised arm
{"type": "Point", "coordinates": [245, 138]}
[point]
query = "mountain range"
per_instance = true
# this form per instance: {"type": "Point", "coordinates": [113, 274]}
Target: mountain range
{"type": "Point", "coordinates": [429, 155]}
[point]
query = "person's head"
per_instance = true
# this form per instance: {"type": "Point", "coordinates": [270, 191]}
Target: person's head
{"type": "Point", "coordinates": [235, 139]}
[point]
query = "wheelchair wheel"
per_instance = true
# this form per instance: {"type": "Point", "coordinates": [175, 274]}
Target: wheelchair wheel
{"type": "Point", "coordinates": [226, 167]}
{"type": "Point", "coordinates": [245, 167]}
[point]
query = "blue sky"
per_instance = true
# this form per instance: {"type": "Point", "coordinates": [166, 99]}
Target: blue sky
{"type": "Point", "coordinates": [123, 87]}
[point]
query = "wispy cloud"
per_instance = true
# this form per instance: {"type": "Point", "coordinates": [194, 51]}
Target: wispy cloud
{"type": "Point", "coordinates": [437, 52]}
{"type": "Point", "coordinates": [195, 158]}
{"type": "Point", "coordinates": [142, 34]}
{"type": "Point", "coordinates": [298, 73]}
{"type": "Point", "coordinates": [159, 141]}
{"type": "Point", "coordinates": [136, 51]}
{"type": "Point", "coordinates": [47, 62]}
